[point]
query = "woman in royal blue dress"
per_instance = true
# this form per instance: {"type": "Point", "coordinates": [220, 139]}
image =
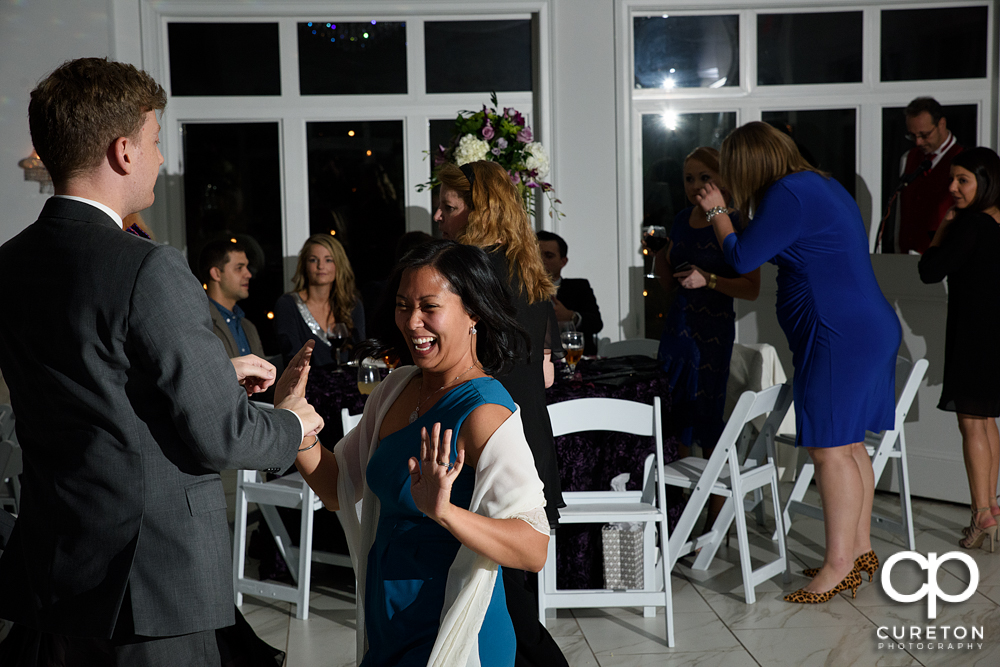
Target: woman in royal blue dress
{"type": "Point", "coordinates": [437, 482]}
{"type": "Point", "coordinates": [697, 341]}
{"type": "Point", "coordinates": [843, 334]}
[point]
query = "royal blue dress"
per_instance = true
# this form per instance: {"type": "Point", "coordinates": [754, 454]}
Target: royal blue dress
{"type": "Point", "coordinates": [697, 340]}
{"type": "Point", "coordinates": [843, 334]}
{"type": "Point", "coordinates": [409, 560]}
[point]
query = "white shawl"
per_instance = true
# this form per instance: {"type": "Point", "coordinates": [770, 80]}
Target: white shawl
{"type": "Point", "coordinates": [507, 486]}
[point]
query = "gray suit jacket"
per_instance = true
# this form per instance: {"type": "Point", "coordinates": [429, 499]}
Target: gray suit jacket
{"type": "Point", "coordinates": [127, 409]}
{"type": "Point", "coordinates": [221, 330]}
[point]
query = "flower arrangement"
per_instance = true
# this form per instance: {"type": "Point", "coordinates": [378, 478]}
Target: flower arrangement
{"type": "Point", "coordinates": [504, 138]}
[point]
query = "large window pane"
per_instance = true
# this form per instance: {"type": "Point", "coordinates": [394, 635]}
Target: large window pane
{"type": "Point", "coordinates": [808, 48]}
{"type": "Point", "coordinates": [356, 191]}
{"type": "Point", "coordinates": [478, 56]}
{"type": "Point", "coordinates": [945, 43]}
{"type": "Point", "coordinates": [825, 137]}
{"type": "Point", "coordinates": [224, 59]}
{"type": "Point", "coordinates": [687, 52]}
{"type": "Point", "coordinates": [961, 119]}
{"type": "Point", "coordinates": [232, 190]}
{"type": "Point", "coordinates": [666, 141]}
{"type": "Point", "coordinates": [352, 58]}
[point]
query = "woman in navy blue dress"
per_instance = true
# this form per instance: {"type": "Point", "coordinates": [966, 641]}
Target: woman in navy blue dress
{"type": "Point", "coordinates": [697, 341]}
{"type": "Point", "coordinates": [843, 334]}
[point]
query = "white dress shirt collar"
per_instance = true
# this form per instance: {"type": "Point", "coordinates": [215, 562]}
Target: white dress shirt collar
{"type": "Point", "coordinates": [96, 204]}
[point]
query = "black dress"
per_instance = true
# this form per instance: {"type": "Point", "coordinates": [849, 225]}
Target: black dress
{"type": "Point", "coordinates": [526, 385]}
{"type": "Point", "coordinates": [293, 332]}
{"type": "Point", "coordinates": [526, 382]}
{"type": "Point", "coordinates": [970, 257]}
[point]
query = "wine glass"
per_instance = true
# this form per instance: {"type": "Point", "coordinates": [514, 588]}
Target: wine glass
{"type": "Point", "coordinates": [338, 336]}
{"type": "Point", "coordinates": [573, 342]}
{"type": "Point", "coordinates": [654, 237]}
{"type": "Point", "coordinates": [368, 376]}
{"type": "Point", "coordinates": [391, 360]}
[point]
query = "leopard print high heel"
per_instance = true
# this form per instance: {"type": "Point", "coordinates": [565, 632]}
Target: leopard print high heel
{"type": "Point", "coordinates": [864, 563]}
{"type": "Point", "coordinates": [851, 581]}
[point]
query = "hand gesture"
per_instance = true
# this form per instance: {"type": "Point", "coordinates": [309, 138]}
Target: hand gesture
{"type": "Point", "coordinates": [432, 476]}
{"type": "Point", "coordinates": [293, 381]}
{"type": "Point", "coordinates": [563, 314]}
{"type": "Point", "coordinates": [692, 278]}
{"type": "Point", "coordinates": [253, 373]}
{"type": "Point", "coordinates": [709, 197]}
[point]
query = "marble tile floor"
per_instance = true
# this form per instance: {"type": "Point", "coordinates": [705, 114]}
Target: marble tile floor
{"type": "Point", "coordinates": [713, 624]}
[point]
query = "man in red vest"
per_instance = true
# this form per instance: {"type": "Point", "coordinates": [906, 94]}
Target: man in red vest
{"type": "Point", "coordinates": [925, 200]}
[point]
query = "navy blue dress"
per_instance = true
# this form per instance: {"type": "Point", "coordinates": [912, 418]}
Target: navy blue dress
{"type": "Point", "coordinates": [697, 340]}
{"type": "Point", "coordinates": [409, 560]}
{"type": "Point", "coordinates": [843, 334]}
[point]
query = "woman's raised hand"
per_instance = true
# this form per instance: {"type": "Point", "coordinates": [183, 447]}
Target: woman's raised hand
{"type": "Point", "coordinates": [709, 197]}
{"type": "Point", "coordinates": [432, 476]}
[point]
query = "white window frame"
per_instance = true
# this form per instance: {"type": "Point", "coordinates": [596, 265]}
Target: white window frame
{"type": "Point", "coordinates": [140, 37]}
{"type": "Point", "coordinates": [749, 100]}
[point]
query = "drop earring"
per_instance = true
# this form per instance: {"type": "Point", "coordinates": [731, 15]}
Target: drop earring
{"type": "Point", "coordinates": [472, 330]}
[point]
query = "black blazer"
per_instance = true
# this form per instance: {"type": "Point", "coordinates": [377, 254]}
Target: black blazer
{"type": "Point", "coordinates": [576, 294]}
{"type": "Point", "coordinates": [127, 409]}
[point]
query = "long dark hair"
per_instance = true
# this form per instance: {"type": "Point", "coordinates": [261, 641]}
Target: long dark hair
{"type": "Point", "coordinates": [984, 164]}
{"type": "Point", "coordinates": [470, 275]}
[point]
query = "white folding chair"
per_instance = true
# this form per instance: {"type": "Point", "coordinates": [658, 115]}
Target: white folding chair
{"type": "Point", "coordinates": [644, 346]}
{"type": "Point", "coordinates": [721, 474]}
{"type": "Point", "coordinates": [647, 507]}
{"type": "Point", "coordinates": [890, 444]}
{"type": "Point", "coordinates": [288, 491]}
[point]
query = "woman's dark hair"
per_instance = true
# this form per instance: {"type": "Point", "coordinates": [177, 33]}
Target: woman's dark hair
{"type": "Point", "coordinates": [470, 275]}
{"type": "Point", "coordinates": [985, 166]}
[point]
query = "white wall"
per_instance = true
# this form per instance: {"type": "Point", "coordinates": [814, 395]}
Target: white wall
{"type": "Point", "coordinates": [584, 146]}
{"type": "Point", "coordinates": [35, 38]}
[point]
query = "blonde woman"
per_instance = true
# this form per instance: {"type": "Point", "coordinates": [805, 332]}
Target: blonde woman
{"type": "Point", "coordinates": [844, 335]}
{"type": "Point", "coordinates": [323, 296]}
{"type": "Point", "coordinates": [479, 206]}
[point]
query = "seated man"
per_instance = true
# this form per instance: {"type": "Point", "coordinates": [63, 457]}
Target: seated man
{"type": "Point", "coordinates": [225, 272]}
{"type": "Point", "coordinates": [574, 302]}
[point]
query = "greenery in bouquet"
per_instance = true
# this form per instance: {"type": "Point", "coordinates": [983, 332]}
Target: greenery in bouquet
{"type": "Point", "coordinates": [499, 137]}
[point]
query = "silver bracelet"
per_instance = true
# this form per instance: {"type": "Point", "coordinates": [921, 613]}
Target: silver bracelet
{"type": "Point", "coordinates": [315, 442]}
{"type": "Point", "coordinates": [714, 211]}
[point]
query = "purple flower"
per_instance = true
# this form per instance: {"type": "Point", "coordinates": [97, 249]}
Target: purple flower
{"type": "Point", "coordinates": [487, 133]}
{"type": "Point", "coordinates": [501, 143]}
{"type": "Point", "coordinates": [515, 177]}
{"type": "Point", "coordinates": [518, 118]}
{"type": "Point", "coordinates": [496, 151]}
{"type": "Point", "coordinates": [524, 135]}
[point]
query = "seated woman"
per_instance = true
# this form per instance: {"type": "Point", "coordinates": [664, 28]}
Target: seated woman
{"type": "Point", "coordinates": [448, 489]}
{"type": "Point", "coordinates": [323, 297]}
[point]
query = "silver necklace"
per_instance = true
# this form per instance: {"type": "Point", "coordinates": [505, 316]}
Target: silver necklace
{"type": "Point", "coordinates": [416, 411]}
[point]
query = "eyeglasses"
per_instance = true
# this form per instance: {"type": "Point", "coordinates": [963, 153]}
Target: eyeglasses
{"type": "Point", "coordinates": [923, 136]}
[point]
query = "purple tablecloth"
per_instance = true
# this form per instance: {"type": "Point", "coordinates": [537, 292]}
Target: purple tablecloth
{"type": "Point", "coordinates": [588, 461]}
{"type": "Point", "coordinates": [329, 391]}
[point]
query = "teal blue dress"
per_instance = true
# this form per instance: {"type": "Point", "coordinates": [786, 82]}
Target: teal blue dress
{"type": "Point", "coordinates": [409, 560]}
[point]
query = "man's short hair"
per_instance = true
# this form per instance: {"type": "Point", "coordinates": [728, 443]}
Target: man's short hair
{"type": "Point", "coordinates": [83, 106]}
{"type": "Point", "coordinates": [549, 236]}
{"type": "Point", "coordinates": [928, 104]}
{"type": "Point", "coordinates": [215, 254]}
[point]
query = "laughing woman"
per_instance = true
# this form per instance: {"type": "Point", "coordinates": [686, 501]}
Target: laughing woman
{"type": "Point", "coordinates": [844, 335]}
{"type": "Point", "coordinates": [965, 249]}
{"type": "Point", "coordinates": [449, 493]}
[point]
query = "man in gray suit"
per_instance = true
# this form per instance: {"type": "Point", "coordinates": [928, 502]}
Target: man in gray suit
{"type": "Point", "coordinates": [127, 405]}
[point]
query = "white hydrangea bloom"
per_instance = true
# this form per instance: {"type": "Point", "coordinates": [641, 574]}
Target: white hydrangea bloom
{"type": "Point", "coordinates": [537, 159]}
{"type": "Point", "coordinates": [471, 149]}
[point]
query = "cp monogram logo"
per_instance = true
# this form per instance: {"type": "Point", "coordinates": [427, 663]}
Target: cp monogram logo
{"type": "Point", "coordinates": [930, 590]}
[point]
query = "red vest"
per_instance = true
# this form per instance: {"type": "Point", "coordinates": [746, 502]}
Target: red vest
{"type": "Point", "coordinates": [924, 202]}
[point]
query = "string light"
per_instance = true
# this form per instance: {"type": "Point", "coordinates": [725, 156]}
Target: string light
{"type": "Point", "coordinates": [350, 133]}
{"type": "Point", "coordinates": [270, 315]}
